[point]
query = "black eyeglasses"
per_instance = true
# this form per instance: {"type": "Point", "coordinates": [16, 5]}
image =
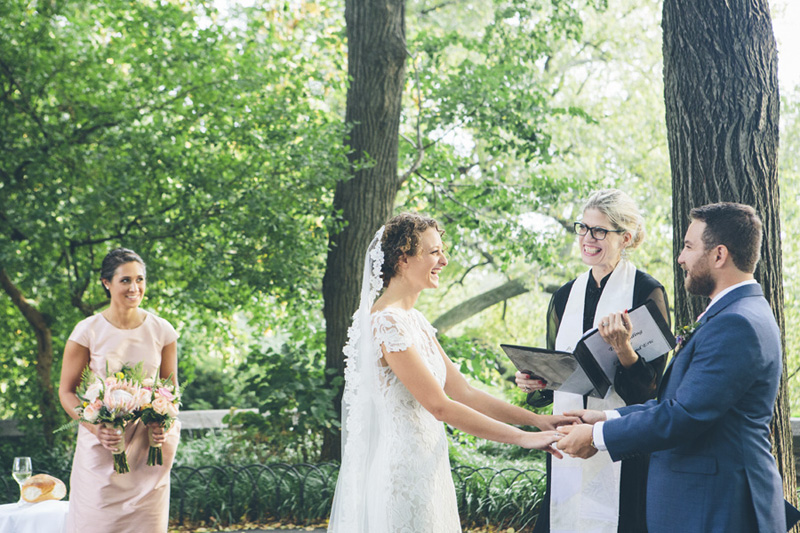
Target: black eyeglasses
{"type": "Point", "coordinates": [597, 233]}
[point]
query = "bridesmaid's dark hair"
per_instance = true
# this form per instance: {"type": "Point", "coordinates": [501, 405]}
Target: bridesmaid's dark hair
{"type": "Point", "coordinates": [115, 258]}
{"type": "Point", "coordinates": [401, 237]}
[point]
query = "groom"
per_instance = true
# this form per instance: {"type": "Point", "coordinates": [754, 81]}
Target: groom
{"type": "Point", "coordinates": [708, 432]}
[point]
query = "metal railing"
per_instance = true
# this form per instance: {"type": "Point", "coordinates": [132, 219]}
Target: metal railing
{"type": "Point", "coordinates": [302, 493]}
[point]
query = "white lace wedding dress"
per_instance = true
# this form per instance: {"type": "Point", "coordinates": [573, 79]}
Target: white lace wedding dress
{"type": "Point", "coordinates": [421, 497]}
{"type": "Point", "coordinates": [395, 472]}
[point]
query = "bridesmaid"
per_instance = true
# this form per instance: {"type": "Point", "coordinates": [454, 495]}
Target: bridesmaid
{"type": "Point", "coordinates": [101, 500]}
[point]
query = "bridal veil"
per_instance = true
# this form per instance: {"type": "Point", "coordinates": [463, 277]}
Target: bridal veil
{"type": "Point", "coordinates": [359, 500]}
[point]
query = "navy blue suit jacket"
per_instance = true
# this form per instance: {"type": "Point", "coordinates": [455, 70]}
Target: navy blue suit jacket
{"type": "Point", "coordinates": [711, 469]}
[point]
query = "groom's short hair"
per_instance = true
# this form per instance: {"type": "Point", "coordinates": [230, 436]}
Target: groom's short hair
{"type": "Point", "coordinates": [735, 226]}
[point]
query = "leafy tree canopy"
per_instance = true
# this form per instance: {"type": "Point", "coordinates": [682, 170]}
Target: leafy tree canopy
{"type": "Point", "coordinates": [205, 144]}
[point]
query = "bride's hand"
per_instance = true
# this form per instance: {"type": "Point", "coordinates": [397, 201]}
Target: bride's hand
{"type": "Point", "coordinates": [542, 440]}
{"type": "Point", "coordinates": [553, 422]}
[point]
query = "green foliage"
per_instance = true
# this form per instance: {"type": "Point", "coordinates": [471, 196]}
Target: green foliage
{"type": "Point", "coordinates": [614, 80]}
{"type": "Point", "coordinates": [212, 388]}
{"type": "Point", "coordinates": [206, 145]}
{"type": "Point", "coordinates": [475, 359]}
{"type": "Point", "coordinates": [17, 367]}
{"type": "Point", "coordinates": [294, 405]}
{"type": "Point", "coordinates": [481, 116]}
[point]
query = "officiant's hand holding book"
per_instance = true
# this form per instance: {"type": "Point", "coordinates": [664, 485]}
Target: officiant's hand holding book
{"type": "Point", "coordinates": [590, 369]}
{"type": "Point", "coordinates": [616, 330]}
{"type": "Point", "coordinates": [529, 382]}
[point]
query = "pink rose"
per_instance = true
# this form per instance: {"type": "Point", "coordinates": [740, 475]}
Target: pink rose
{"type": "Point", "coordinates": [93, 391]}
{"type": "Point", "coordinates": [161, 405]}
{"type": "Point", "coordinates": [92, 411]}
{"type": "Point", "coordinates": [172, 410]}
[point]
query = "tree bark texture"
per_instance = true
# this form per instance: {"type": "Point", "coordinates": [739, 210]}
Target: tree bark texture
{"type": "Point", "coordinates": [376, 65]}
{"type": "Point", "coordinates": [44, 354]}
{"type": "Point", "coordinates": [722, 111]}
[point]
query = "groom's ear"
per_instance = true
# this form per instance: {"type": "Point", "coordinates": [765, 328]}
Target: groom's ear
{"type": "Point", "coordinates": [721, 256]}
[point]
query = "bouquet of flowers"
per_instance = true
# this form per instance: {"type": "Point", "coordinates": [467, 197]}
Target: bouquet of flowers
{"type": "Point", "coordinates": [112, 401]}
{"type": "Point", "coordinates": [161, 408]}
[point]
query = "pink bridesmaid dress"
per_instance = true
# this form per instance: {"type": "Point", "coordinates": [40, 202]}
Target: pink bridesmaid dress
{"type": "Point", "coordinates": [101, 500]}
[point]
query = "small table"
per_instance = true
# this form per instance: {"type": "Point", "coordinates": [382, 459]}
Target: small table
{"type": "Point", "coordinates": [44, 517]}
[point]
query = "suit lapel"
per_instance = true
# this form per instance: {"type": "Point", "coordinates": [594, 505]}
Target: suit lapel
{"type": "Point", "coordinates": [752, 289]}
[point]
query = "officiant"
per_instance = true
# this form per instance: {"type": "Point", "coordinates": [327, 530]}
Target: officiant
{"type": "Point", "coordinates": [600, 496]}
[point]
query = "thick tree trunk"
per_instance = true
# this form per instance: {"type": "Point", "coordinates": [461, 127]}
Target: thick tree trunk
{"type": "Point", "coordinates": [722, 110]}
{"type": "Point", "coordinates": [376, 65]}
{"type": "Point", "coordinates": [44, 354]}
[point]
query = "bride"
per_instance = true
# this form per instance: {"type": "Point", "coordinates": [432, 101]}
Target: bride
{"type": "Point", "coordinates": [399, 388]}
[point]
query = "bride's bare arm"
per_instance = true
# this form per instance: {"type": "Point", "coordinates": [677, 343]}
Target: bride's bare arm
{"type": "Point", "coordinates": [459, 389]}
{"type": "Point", "coordinates": [409, 368]}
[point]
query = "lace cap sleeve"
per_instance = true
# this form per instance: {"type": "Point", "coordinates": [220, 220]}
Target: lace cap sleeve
{"type": "Point", "coordinates": [392, 330]}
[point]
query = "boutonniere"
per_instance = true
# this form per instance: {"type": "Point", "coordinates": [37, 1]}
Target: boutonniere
{"type": "Point", "coordinates": [684, 334]}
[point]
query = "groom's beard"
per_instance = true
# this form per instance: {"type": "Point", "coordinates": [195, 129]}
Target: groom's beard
{"type": "Point", "coordinates": [699, 281]}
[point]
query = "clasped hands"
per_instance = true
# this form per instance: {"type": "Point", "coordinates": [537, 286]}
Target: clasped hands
{"type": "Point", "coordinates": [577, 440]}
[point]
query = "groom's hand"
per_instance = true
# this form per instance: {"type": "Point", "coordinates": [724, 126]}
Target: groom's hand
{"type": "Point", "coordinates": [577, 442]}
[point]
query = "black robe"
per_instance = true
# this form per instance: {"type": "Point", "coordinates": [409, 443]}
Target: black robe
{"type": "Point", "coordinates": [636, 384]}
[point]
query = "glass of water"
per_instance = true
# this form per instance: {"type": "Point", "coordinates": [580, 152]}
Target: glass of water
{"type": "Point", "coordinates": [21, 471]}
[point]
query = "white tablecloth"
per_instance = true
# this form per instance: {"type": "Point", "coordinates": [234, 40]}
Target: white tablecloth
{"type": "Point", "coordinates": [43, 517]}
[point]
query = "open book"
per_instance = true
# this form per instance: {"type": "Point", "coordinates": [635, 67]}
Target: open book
{"type": "Point", "coordinates": [590, 369]}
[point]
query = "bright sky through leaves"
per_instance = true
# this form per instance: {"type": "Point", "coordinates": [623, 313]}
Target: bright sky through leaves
{"type": "Point", "coordinates": [786, 25]}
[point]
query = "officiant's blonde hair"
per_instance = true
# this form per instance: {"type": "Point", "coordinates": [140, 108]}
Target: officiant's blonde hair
{"type": "Point", "coordinates": [621, 210]}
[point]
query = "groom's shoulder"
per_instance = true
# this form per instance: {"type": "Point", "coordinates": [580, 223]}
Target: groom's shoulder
{"type": "Point", "coordinates": [748, 301]}
{"type": "Point", "coordinates": [744, 316]}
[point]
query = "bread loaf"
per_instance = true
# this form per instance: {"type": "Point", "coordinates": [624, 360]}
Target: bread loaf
{"type": "Point", "coordinates": [43, 487]}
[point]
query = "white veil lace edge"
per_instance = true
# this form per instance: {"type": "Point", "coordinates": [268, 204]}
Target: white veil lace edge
{"type": "Point", "coordinates": [351, 511]}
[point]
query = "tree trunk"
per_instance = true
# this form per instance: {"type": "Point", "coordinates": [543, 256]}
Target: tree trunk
{"type": "Point", "coordinates": [722, 110]}
{"type": "Point", "coordinates": [376, 64]}
{"type": "Point", "coordinates": [44, 354]}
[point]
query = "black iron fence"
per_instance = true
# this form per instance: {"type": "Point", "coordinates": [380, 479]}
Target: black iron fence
{"type": "Point", "coordinates": [300, 492]}
{"type": "Point", "coordinates": [303, 493]}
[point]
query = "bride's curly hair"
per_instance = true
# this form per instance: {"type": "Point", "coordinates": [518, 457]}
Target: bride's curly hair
{"type": "Point", "coordinates": [401, 237]}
